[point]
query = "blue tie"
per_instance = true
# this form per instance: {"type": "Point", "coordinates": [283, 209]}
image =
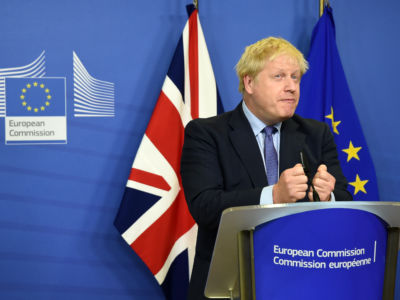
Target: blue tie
{"type": "Point", "coordinates": [270, 155]}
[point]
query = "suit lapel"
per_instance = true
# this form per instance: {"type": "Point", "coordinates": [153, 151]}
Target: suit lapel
{"type": "Point", "coordinates": [245, 145]}
{"type": "Point", "coordinates": [292, 142]}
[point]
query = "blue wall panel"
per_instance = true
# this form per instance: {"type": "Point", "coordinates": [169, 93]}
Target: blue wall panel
{"type": "Point", "coordinates": [58, 202]}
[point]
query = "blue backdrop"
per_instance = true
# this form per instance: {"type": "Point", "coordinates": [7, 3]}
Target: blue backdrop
{"type": "Point", "coordinates": [58, 201]}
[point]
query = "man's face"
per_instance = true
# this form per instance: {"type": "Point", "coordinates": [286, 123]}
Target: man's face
{"type": "Point", "coordinates": [274, 94]}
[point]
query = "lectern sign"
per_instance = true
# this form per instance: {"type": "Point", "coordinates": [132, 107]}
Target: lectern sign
{"type": "Point", "coordinates": [320, 255]}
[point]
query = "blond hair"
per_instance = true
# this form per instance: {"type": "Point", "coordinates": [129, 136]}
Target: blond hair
{"type": "Point", "coordinates": [254, 57]}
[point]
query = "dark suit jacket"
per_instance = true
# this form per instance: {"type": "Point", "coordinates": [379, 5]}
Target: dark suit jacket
{"type": "Point", "coordinates": [222, 167]}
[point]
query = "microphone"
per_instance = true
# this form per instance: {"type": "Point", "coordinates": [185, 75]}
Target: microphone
{"type": "Point", "coordinates": [306, 169]}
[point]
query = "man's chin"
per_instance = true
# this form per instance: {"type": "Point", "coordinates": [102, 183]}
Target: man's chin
{"type": "Point", "coordinates": [286, 115]}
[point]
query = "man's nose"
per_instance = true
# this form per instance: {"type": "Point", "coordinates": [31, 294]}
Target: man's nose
{"type": "Point", "coordinates": [290, 85]}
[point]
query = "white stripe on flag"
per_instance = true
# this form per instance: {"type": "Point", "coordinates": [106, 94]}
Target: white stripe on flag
{"type": "Point", "coordinates": [186, 241]}
{"type": "Point", "coordinates": [185, 42]}
{"type": "Point", "coordinates": [207, 85]}
{"type": "Point", "coordinates": [174, 95]}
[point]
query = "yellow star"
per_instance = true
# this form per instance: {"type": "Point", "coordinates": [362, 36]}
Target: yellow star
{"type": "Point", "coordinates": [35, 84]}
{"type": "Point", "coordinates": [28, 85]}
{"type": "Point", "coordinates": [46, 90]}
{"type": "Point", "coordinates": [334, 124]}
{"type": "Point", "coordinates": [24, 103]}
{"type": "Point", "coordinates": [36, 109]}
{"type": "Point", "coordinates": [49, 97]}
{"type": "Point", "coordinates": [22, 97]}
{"type": "Point", "coordinates": [352, 152]}
{"type": "Point", "coordinates": [42, 108]}
{"type": "Point", "coordinates": [24, 90]}
{"type": "Point", "coordinates": [47, 103]}
{"type": "Point", "coordinates": [42, 85]}
{"type": "Point", "coordinates": [359, 185]}
{"type": "Point", "coordinates": [331, 115]}
{"type": "Point", "coordinates": [29, 108]}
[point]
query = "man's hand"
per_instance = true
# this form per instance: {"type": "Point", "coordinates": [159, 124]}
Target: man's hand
{"type": "Point", "coordinates": [324, 184]}
{"type": "Point", "coordinates": [291, 186]}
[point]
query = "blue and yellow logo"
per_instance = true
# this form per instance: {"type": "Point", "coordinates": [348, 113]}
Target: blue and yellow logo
{"type": "Point", "coordinates": [35, 96]}
{"type": "Point", "coordinates": [25, 93]}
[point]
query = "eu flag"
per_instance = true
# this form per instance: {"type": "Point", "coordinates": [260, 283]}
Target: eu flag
{"type": "Point", "coordinates": [326, 97]}
{"type": "Point", "coordinates": [44, 96]}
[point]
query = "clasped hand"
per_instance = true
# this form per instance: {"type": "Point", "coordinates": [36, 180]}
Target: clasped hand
{"type": "Point", "coordinates": [292, 185]}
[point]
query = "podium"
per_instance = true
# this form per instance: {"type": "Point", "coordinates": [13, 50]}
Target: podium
{"type": "Point", "coordinates": [232, 268]}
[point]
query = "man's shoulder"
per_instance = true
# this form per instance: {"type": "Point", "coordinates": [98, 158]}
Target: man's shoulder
{"type": "Point", "coordinates": [221, 122]}
{"type": "Point", "coordinates": [216, 126]}
{"type": "Point", "coordinates": [305, 124]}
{"type": "Point", "coordinates": [217, 120]}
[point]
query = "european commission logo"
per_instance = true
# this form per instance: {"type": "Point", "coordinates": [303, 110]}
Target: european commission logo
{"type": "Point", "coordinates": [92, 97]}
{"type": "Point", "coordinates": [35, 111]}
{"type": "Point", "coordinates": [34, 106]}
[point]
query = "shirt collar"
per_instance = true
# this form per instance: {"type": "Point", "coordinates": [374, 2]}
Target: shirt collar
{"type": "Point", "coordinates": [256, 124]}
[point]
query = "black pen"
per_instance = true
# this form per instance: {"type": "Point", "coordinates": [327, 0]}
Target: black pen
{"type": "Point", "coordinates": [304, 163]}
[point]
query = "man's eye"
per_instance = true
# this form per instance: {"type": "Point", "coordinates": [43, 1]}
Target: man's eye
{"type": "Point", "coordinates": [278, 76]}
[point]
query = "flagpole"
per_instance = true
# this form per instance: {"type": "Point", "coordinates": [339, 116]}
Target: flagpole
{"type": "Point", "coordinates": [322, 4]}
{"type": "Point", "coordinates": [321, 7]}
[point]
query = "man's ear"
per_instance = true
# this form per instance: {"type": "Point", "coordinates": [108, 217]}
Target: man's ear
{"type": "Point", "coordinates": [248, 83]}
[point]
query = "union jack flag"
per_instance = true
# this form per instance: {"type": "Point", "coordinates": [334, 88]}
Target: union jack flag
{"type": "Point", "coordinates": [153, 217]}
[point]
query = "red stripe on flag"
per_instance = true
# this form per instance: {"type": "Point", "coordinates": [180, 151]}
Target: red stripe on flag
{"type": "Point", "coordinates": [149, 179]}
{"type": "Point", "coordinates": [166, 132]}
{"type": "Point", "coordinates": [194, 65]}
{"type": "Point", "coordinates": [154, 245]}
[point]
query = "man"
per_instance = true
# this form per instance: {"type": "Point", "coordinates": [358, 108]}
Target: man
{"type": "Point", "coordinates": [251, 155]}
